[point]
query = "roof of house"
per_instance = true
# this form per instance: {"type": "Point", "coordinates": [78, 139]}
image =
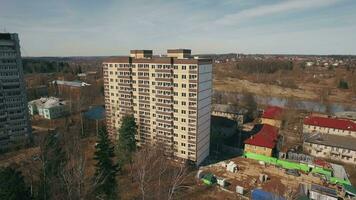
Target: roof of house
{"type": "Point", "coordinates": [333, 141]}
{"type": "Point", "coordinates": [95, 113]}
{"type": "Point", "coordinates": [336, 123]}
{"type": "Point", "coordinates": [226, 108]}
{"type": "Point", "coordinates": [71, 83]}
{"type": "Point", "coordinates": [266, 137]}
{"type": "Point", "coordinates": [324, 190]}
{"type": "Point", "coordinates": [272, 112]}
{"type": "Point", "coordinates": [48, 102]}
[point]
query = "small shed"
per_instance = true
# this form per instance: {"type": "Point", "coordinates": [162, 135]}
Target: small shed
{"type": "Point", "coordinates": [231, 167]}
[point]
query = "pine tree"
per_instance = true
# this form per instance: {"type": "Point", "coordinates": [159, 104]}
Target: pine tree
{"type": "Point", "coordinates": [127, 141]}
{"type": "Point", "coordinates": [106, 170]}
{"type": "Point", "coordinates": [12, 185]}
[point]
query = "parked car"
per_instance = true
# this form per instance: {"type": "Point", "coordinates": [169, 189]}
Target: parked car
{"type": "Point", "coordinates": [292, 172]}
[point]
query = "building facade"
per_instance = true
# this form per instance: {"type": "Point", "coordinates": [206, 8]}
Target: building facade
{"type": "Point", "coordinates": [325, 125]}
{"type": "Point", "coordinates": [170, 98]}
{"type": "Point", "coordinates": [333, 147]}
{"type": "Point", "coordinates": [48, 108]}
{"type": "Point", "coordinates": [272, 115]}
{"type": "Point", "coordinates": [14, 121]}
{"type": "Point", "coordinates": [265, 142]}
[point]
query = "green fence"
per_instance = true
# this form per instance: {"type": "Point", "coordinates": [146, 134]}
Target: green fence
{"type": "Point", "coordinates": [298, 166]}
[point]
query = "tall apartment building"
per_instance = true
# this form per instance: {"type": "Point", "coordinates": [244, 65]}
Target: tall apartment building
{"type": "Point", "coordinates": [14, 121]}
{"type": "Point", "coordinates": [170, 98]}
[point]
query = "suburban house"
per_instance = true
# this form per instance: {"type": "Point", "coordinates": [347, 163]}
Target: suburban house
{"type": "Point", "coordinates": [334, 147]}
{"type": "Point", "coordinates": [272, 115]}
{"type": "Point", "coordinates": [265, 142]}
{"type": "Point", "coordinates": [49, 108]}
{"type": "Point", "coordinates": [326, 125]}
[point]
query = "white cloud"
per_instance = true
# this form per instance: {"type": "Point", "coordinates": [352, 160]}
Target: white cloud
{"type": "Point", "coordinates": [282, 7]}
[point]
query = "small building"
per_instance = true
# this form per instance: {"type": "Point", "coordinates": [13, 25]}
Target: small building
{"type": "Point", "coordinates": [326, 125]}
{"type": "Point", "coordinates": [49, 108]}
{"type": "Point", "coordinates": [334, 147]}
{"type": "Point", "coordinates": [75, 84]}
{"type": "Point", "coordinates": [230, 112]}
{"type": "Point", "coordinates": [272, 115]}
{"type": "Point", "coordinates": [318, 192]}
{"type": "Point", "coordinates": [265, 142]}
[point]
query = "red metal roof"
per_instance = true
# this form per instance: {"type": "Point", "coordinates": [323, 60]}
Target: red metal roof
{"type": "Point", "coordinates": [266, 137]}
{"type": "Point", "coordinates": [272, 112]}
{"type": "Point", "coordinates": [342, 124]}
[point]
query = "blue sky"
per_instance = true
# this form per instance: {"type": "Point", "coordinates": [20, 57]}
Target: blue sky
{"type": "Point", "coordinates": [108, 27]}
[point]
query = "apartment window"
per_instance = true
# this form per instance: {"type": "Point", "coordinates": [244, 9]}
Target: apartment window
{"type": "Point", "coordinates": [182, 144]}
{"type": "Point", "coordinates": [183, 112]}
{"type": "Point", "coordinates": [183, 128]}
{"type": "Point", "coordinates": [183, 152]}
{"type": "Point", "coordinates": [175, 102]}
{"type": "Point", "coordinates": [175, 76]}
{"type": "Point", "coordinates": [184, 94]}
{"type": "Point", "coordinates": [184, 67]}
{"type": "Point", "coordinates": [184, 85]}
{"type": "Point", "coordinates": [183, 120]}
{"type": "Point", "coordinates": [184, 77]}
{"type": "Point", "coordinates": [182, 136]}
{"type": "Point", "coordinates": [184, 103]}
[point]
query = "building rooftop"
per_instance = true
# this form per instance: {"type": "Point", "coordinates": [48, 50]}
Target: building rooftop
{"type": "Point", "coordinates": [324, 190]}
{"type": "Point", "coordinates": [228, 109]}
{"type": "Point", "coordinates": [71, 83]}
{"type": "Point", "coordinates": [336, 123]}
{"type": "Point", "coordinates": [266, 137]}
{"type": "Point", "coordinates": [333, 140]}
{"type": "Point", "coordinates": [272, 112]}
{"type": "Point", "coordinates": [48, 102]}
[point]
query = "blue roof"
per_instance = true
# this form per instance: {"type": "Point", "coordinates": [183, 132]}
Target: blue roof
{"type": "Point", "coordinates": [258, 194]}
{"type": "Point", "coordinates": [95, 113]}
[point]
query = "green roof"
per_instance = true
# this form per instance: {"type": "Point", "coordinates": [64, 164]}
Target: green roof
{"type": "Point", "coordinates": [349, 189]}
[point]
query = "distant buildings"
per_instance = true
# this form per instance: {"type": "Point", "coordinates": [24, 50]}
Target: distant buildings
{"type": "Point", "coordinates": [334, 147]}
{"type": "Point", "coordinates": [170, 98]}
{"type": "Point", "coordinates": [325, 125]}
{"type": "Point", "coordinates": [265, 142]}
{"type": "Point", "coordinates": [331, 138]}
{"type": "Point", "coordinates": [272, 115]}
{"type": "Point", "coordinates": [230, 112]}
{"type": "Point", "coordinates": [70, 84]}
{"type": "Point", "coordinates": [14, 121]}
{"type": "Point", "coordinates": [48, 108]}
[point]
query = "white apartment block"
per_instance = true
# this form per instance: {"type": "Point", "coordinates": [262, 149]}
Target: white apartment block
{"type": "Point", "coordinates": [333, 147]}
{"type": "Point", "coordinates": [14, 121]}
{"type": "Point", "coordinates": [170, 98]}
{"type": "Point", "coordinates": [333, 126]}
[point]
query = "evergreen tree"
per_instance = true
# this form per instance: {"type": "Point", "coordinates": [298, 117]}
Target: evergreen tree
{"type": "Point", "coordinates": [12, 185]}
{"type": "Point", "coordinates": [106, 170]}
{"type": "Point", "coordinates": [127, 141]}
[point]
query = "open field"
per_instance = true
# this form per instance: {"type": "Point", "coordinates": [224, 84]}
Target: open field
{"type": "Point", "coordinates": [308, 84]}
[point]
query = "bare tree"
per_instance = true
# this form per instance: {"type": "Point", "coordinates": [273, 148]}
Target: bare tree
{"type": "Point", "coordinates": [158, 177]}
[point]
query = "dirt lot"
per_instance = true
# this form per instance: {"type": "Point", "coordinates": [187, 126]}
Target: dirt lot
{"type": "Point", "coordinates": [248, 177]}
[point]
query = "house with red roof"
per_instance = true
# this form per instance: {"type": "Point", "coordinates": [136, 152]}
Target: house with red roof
{"type": "Point", "coordinates": [265, 142]}
{"type": "Point", "coordinates": [272, 115]}
{"type": "Point", "coordinates": [327, 125]}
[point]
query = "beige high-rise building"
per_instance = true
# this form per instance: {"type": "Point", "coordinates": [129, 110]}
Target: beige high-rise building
{"type": "Point", "coordinates": [170, 98]}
